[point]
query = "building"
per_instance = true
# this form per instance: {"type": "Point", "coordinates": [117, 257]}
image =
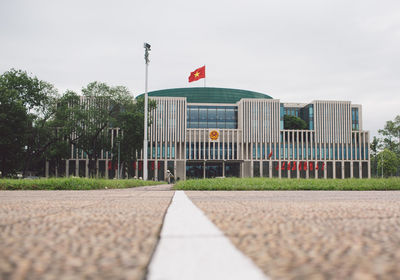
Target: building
{"type": "Point", "coordinates": [219, 132]}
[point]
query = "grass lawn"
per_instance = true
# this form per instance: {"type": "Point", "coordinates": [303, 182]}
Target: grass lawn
{"type": "Point", "coordinates": [71, 184]}
{"type": "Point", "coordinates": [289, 184]}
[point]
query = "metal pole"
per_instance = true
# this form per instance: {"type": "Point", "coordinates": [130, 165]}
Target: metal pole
{"type": "Point", "coordinates": [119, 154]}
{"type": "Point", "coordinates": [146, 58]}
{"type": "Point", "coordinates": [382, 164]}
{"type": "Point", "coordinates": [204, 77]}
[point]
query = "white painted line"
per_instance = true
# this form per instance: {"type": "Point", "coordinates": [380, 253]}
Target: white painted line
{"type": "Point", "coordinates": [192, 247]}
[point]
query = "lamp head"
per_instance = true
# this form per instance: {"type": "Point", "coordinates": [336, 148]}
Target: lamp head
{"type": "Point", "coordinates": [147, 46]}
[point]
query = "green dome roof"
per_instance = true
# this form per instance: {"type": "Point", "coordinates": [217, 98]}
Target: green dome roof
{"type": "Point", "coordinates": [208, 94]}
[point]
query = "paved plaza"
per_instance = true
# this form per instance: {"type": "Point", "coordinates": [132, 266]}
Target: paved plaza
{"type": "Point", "coordinates": [106, 234]}
{"type": "Point", "coordinates": [311, 234]}
{"type": "Point", "coordinates": [112, 234]}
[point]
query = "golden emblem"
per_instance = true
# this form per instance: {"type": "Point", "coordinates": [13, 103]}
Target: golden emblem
{"type": "Point", "coordinates": [214, 134]}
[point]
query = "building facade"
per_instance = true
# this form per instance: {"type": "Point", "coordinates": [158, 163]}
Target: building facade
{"type": "Point", "coordinates": [217, 132]}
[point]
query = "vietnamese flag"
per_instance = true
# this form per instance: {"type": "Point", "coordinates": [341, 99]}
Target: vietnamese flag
{"type": "Point", "coordinates": [197, 74]}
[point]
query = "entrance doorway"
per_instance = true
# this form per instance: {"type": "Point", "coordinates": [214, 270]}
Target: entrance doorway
{"type": "Point", "coordinates": [232, 169]}
{"type": "Point", "coordinates": [213, 169]}
{"type": "Point", "coordinates": [195, 169]}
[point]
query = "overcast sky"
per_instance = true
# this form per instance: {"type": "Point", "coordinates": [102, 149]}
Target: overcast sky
{"type": "Point", "coordinates": [295, 51]}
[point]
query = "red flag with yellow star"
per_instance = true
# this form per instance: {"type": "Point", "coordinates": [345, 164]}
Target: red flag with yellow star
{"type": "Point", "coordinates": [197, 74]}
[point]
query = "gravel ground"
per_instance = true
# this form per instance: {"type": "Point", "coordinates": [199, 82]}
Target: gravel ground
{"type": "Point", "coordinates": [310, 234]}
{"type": "Point", "coordinates": [102, 234]}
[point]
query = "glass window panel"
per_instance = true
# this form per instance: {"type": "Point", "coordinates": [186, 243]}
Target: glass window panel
{"type": "Point", "coordinates": [221, 114]}
{"type": "Point", "coordinates": [263, 151]}
{"type": "Point", "coordinates": [194, 114]}
{"type": "Point", "coordinates": [212, 114]}
{"type": "Point", "coordinates": [203, 124]}
{"type": "Point", "coordinates": [212, 124]}
{"type": "Point", "coordinates": [230, 115]}
{"type": "Point", "coordinates": [221, 124]}
{"type": "Point", "coordinates": [231, 125]}
{"type": "Point", "coordinates": [193, 124]}
{"type": "Point", "coordinates": [202, 114]}
{"type": "Point", "coordinates": [212, 117]}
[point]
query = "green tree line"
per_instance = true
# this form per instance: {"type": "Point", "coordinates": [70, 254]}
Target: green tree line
{"type": "Point", "coordinates": [385, 150]}
{"type": "Point", "coordinates": [38, 124]}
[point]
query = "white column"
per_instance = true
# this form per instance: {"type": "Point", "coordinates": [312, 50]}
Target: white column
{"type": "Point", "coordinates": [156, 167]}
{"type": "Point", "coordinates": [106, 168]}
{"type": "Point", "coordinates": [190, 144]}
{"type": "Point", "coordinates": [165, 170]}
{"type": "Point", "coordinates": [288, 158]}
{"type": "Point", "coordinates": [87, 168]}
{"type": "Point", "coordinates": [66, 168]}
{"type": "Point", "coordinates": [342, 163]}
{"type": "Point", "coordinates": [77, 168]}
{"type": "Point", "coordinates": [46, 169]}
{"type": "Point", "coordinates": [334, 167]}
{"type": "Point", "coordinates": [306, 156]}
{"type": "Point", "coordinates": [270, 168]}
{"type": "Point", "coordinates": [351, 169]}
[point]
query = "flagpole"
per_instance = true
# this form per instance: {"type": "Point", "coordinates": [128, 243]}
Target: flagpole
{"type": "Point", "coordinates": [146, 58]}
{"type": "Point", "coordinates": [205, 75]}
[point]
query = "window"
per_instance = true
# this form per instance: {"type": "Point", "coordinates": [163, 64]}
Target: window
{"type": "Point", "coordinates": [354, 117]}
{"type": "Point", "coordinates": [212, 116]}
{"type": "Point", "coordinates": [311, 117]}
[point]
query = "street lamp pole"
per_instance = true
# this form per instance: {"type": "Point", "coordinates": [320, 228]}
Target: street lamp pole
{"type": "Point", "coordinates": [146, 58]}
{"type": "Point", "coordinates": [119, 156]}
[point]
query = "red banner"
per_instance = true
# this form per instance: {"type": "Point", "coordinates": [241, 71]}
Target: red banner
{"type": "Point", "coordinates": [303, 165]}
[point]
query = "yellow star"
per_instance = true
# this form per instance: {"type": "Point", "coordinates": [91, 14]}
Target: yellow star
{"type": "Point", "coordinates": [196, 74]}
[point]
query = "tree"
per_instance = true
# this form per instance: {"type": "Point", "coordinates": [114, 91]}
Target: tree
{"type": "Point", "coordinates": [391, 137]}
{"type": "Point", "coordinates": [89, 118]}
{"type": "Point", "coordinates": [375, 146]}
{"type": "Point", "coordinates": [131, 122]}
{"type": "Point", "coordinates": [388, 162]}
{"type": "Point", "coordinates": [14, 122]}
{"type": "Point", "coordinates": [25, 101]}
{"type": "Point", "coordinates": [292, 122]}
{"type": "Point", "coordinates": [391, 134]}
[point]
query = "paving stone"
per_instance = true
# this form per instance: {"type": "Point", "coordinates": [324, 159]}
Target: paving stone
{"type": "Point", "coordinates": [311, 234]}
{"type": "Point", "coordinates": [102, 234]}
